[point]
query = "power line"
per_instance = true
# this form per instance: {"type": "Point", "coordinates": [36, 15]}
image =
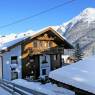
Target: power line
{"type": "Point", "coordinates": [37, 14]}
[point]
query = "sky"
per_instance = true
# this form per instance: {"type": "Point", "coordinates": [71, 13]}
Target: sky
{"type": "Point", "coordinates": [13, 10]}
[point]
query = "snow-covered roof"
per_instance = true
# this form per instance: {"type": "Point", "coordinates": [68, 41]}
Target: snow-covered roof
{"type": "Point", "coordinates": [53, 28]}
{"type": "Point", "coordinates": [14, 40]}
{"type": "Point", "coordinates": [80, 74]}
{"type": "Point", "coordinates": [23, 36]}
{"type": "Point", "coordinates": [10, 43]}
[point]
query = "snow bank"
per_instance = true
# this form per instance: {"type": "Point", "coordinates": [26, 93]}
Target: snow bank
{"type": "Point", "coordinates": [33, 85]}
{"type": "Point", "coordinates": [80, 74]}
{"type": "Point", "coordinates": [49, 89]}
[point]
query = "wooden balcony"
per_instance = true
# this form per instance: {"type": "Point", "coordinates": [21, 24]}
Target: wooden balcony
{"type": "Point", "coordinates": [57, 50]}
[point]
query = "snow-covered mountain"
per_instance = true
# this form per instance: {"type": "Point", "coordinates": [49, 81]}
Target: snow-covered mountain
{"type": "Point", "coordinates": [81, 29]}
{"type": "Point", "coordinates": [86, 17]}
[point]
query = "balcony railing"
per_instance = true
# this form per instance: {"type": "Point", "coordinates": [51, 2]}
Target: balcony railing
{"type": "Point", "coordinates": [56, 50]}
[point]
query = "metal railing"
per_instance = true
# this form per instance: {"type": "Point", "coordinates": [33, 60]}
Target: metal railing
{"type": "Point", "coordinates": [16, 89]}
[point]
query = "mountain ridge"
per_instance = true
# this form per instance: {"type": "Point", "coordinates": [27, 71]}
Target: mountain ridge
{"type": "Point", "coordinates": [81, 29]}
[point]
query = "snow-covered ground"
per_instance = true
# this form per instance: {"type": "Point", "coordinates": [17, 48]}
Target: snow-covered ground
{"type": "Point", "coordinates": [3, 92]}
{"type": "Point", "coordinates": [49, 89]}
{"type": "Point", "coordinates": [80, 75]}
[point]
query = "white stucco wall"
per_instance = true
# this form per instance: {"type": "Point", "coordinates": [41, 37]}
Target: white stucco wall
{"type": "Point", "coordinates": [7, 62]}
{"type": "Point", "coordinates": [45, 66]}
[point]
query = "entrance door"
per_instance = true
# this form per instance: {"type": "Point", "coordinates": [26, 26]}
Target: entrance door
{"type": "Point", "coordinates": [32, 67]}
{"type": "Point", "coordinates": [44, 65]}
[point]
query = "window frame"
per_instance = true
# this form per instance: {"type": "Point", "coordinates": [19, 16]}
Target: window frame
{"type": "Point", "coordinates": [14, 60]}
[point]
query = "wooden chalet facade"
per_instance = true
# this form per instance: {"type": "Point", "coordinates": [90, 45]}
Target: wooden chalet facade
{"type": "Point", "coordinates": [40, 53]}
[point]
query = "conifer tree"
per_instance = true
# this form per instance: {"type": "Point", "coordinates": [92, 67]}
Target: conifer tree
{"type": "Point", "coordinates": [78, 54]}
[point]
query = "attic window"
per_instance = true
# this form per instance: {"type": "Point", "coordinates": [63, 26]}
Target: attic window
{"type": "Point", "coordinates": [14, 60]}
{"type": "Point", "coordinates": [34, 43]}
{"type": "Point", "coordinates": [49, 44]}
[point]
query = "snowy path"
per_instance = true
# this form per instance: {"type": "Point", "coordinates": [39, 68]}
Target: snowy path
{"type": "Point", "coordinates": [3, 92]}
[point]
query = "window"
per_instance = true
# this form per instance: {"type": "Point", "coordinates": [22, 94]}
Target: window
{"type": "Point", "coordinates": [55, 57]}
{"type": "Point", "coordinates": [49, 44]}
{"type": "Point", "coordinates": [34, 43]}
{"type": "Point", "coordinates": [14, 60]}
{"type": "Point", "coordinates": [40, 43]}
{"type": "Point", "coordinates": [14, 75]}
{"type": "Point", "coordinates": [45, 44]}
{"type": "Point", "coordinates": [43, 71]}
{"type": "Point", "coordinates": [44, 59]}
